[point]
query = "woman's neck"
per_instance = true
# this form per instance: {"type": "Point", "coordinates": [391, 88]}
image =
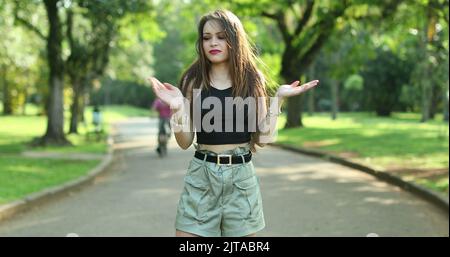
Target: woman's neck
{"type": "Point", "coordinates": [220, 73]}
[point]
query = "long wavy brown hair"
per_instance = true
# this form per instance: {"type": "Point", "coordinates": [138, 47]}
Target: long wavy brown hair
{"type": "Point", "coordinates": [246, 78]}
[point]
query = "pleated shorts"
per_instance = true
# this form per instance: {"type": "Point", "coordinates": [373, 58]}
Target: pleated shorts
{"type": "Point", "coordinates": [220, 200]}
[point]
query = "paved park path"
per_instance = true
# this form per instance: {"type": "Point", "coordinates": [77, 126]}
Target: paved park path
{"type": "Point", "coordinates": [302, 196]}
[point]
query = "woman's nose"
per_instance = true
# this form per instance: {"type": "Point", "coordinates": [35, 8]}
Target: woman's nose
{"type": "Point", "coordinates": [213, 41]}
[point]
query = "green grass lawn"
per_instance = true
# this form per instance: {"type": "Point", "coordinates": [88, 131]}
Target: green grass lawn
{"type": "Point", "coordinates": [400, 143]}
{"type": "Point", "coordinates": [20, 175]}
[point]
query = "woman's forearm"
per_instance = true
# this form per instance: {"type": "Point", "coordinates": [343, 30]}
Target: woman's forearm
{"type": "Point", "coordinates": [182, 128]}
{"type": "Point", "coordinates": [268, 124]}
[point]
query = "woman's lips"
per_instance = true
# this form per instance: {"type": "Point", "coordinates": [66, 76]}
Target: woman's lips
{"type": "Point", "coordinates": [215, 51]}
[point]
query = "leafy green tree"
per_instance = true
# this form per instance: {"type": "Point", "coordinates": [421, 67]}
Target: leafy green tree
{"type": "Point", "coordinates": [353, 89]}
{"type": "Point", "coordinates": [97, 26]}
{"type": "Point", "coordinates": [384, 77]}
{"type": "Point", "coordinates": [19, 60]}
{"type": "Point", "coordinates": [419, 32]}
{"type": "Point", "coordinates": [306, 26]}
{"type": "Point", "coordinates": [55, 123]}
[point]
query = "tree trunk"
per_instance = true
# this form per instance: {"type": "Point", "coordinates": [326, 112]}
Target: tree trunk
{"type": "Point", "coordinates": [426, 97]}
{"type": "Point", "coordinates": [7, 104]}
{"type": "Point", "coordinates": [334, 99]}
{"type": "Point", "coordinates": [435, 99]}
{"type": "Point", "coordinates": [311, 108]}
{"type": "Point", "coordinates": [311, 76]}
{"type": "Point", "coordinates": [25, 96]}
{"type": "Point", "coordinates": [55, 124]}
{"type": "Point", "coordinates": [426, 85]}
{"type": "Point", "coordinates": [294, 103]}
{"type": "Point", "coordinates": [75, 107]}
{"type": "Point", "coordinates": [82, 106]}
{"type": "Point", "coordinates": [294, 112]}
{"type": "Point", "coordinates": [84, 101]}
{"type": "Point", "coordinates": [446, 103]}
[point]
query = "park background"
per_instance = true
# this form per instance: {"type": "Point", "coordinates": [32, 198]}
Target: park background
{"type": "Point", "coordinates": [382, 100]}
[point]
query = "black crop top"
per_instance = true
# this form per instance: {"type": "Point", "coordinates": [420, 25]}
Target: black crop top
{"type": "Point", "coordinates": [212, 135]}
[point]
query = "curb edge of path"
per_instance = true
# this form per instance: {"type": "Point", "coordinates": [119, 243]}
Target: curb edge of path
{"type": "Point", "coordinates": [30, 201]}
{"type": "Point", "coordinates": [418, 190]}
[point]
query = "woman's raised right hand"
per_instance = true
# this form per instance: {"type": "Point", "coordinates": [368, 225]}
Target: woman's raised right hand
{"type": "Point", "coordinates": [169, 94]}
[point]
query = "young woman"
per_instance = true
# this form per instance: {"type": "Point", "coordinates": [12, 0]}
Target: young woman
{"type": "Point", "coordinates": [221, 195]}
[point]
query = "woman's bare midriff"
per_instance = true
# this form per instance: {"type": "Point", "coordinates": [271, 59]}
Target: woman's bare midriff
{"type": "Point", "coordinates": [220, 148]}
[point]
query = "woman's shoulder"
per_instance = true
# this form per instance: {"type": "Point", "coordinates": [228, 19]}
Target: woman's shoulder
{"type": "Point", "coordinates": [186, 86]}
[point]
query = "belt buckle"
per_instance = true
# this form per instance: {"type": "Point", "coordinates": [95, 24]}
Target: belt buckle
{"type": "Point", "coordinates": [224, 155]}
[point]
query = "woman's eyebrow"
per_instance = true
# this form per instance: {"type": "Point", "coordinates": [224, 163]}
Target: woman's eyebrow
{"type": "Point", "coordinates": [214, 33]}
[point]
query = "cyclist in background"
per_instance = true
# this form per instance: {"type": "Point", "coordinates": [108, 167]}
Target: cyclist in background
{"type": "Point", "coordinates": [164, 130]}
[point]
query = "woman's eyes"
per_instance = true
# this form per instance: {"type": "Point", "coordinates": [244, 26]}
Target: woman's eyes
{"type": "Point", "coordinates": [219, 37]}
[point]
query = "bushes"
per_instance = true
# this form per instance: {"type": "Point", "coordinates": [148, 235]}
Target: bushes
{"type": "Point", "coordinates": [384, 78]}
{"type": "Point", "coordinates": [122, 92]}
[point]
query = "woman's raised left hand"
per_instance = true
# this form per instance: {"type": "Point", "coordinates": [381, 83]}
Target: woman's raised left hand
{"type": "Point", "coordinates": [293, 89]}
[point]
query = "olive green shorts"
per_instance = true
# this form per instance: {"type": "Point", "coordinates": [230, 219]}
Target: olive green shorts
{"type": "Point", "coordinates": [220, 200]}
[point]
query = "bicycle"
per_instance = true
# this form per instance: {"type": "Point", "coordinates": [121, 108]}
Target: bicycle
{"type": "Point", "coordinates": [164, 134]}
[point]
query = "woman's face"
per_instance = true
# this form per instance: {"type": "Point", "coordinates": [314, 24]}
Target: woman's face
{"type": "Point", "coordinates": [214, 42]}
